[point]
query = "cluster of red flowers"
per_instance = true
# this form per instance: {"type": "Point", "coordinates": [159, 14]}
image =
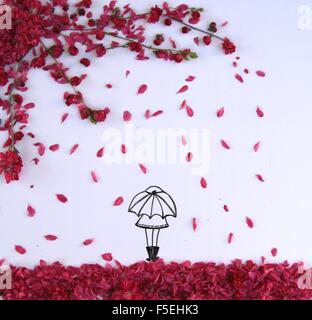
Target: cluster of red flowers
{"type": "Point", "coordinates": [157, 280]}
{"type": "Point", "coordinates": [23, 48]}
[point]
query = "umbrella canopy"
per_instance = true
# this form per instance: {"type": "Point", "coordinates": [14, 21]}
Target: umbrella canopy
{"type": "Point", "coordinates": [153, 201]}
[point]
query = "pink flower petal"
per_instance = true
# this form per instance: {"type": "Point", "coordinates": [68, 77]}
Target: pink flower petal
{"type": "Point", "coordinates": [50, 237]}
{"type": "Point", "coordinates": [127, 116]}
{"type": "Point", "coordinates": [220, 113]}
{"type": "Point", "coordinates": [189, 111]}
{"type": "Point", "coordinates": [147, 114]}
{"type": "Point", "coordinates": [274, 252]}
{"type": "Point", "coordinates": [183, 89]}
{"type": "Point", "coordinates": [123, 149]}
{"type": "Point", "coordinates": [259, 177]}
{"type": "Point", "coordinates": [30, 211]}
{"type": "Point", "coordinates": [189, 157]}
{"type": "Point", "coordinates": [190, 78]}
{"type": "Point", "coordinates": [61, 198]}
{"type": "Point", "coordinates": [260, 73]}
{"type": "Point", "coordinates": [142, 89]}
{"type": "Point", "coordinates": [194, 224]}
{"type": "Point", "coordinates": [107, 256]}
{"type": "Point", "coordinates": [203, 183]}
{"type": "Point", "coordinates": [143, 168]}
{"type": "Point", "coordinates": [19, 249]}
{"type": "Point", "coordinates": [260, 113]}
{"type": "Point", "coordinates": [73, 148]}
{"type": "Point", "coordinates": [257, 146]}
{"type": "Point", "coordinates": [54, 147]}
{"type": "Point", "coordinates": [249, 222]}
{"type": "Point", "coordinates": [118, 201]}
{"type": "Point", "coordinates": [87, 242]}
{"type": "Point", "coordinates": [94, 177]}
{"type": "Point", "coordinates": [226, 208]}
{"type": "Point", "coordinates": [64, 117]}
{"type": "Point", "coordinates": [239, 78]}
{"type": "Point", "coordinates": [225, 145]}
{"type": "Point", "coordinates": [157, 113]}
{"type": "Point", "coordinates": [100, 153]}
{"type": "Point", "coordinates": [230, 237]}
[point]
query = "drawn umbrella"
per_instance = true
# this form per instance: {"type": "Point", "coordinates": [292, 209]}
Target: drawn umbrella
{"type": "Point", "coordinates": [153, 206]}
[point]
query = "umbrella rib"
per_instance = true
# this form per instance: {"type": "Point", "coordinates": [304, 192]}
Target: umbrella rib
{"type": "Point", "coordinates": [175, 208]}
{"type": "Point", "coordinates": [162, 209]}
{"type": "Point", "coordinates": [144, 204]}
{"type": "Point", "coordinates": [132, 205]}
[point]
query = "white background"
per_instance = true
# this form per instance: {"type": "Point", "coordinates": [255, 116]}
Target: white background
{"type": "Point", "coordinates": [267, 35]}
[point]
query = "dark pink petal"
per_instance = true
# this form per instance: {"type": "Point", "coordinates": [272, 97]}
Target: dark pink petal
{"type": "Point", "coordinates": [35, 161]}
{"type": "Point", "coordinates": [142, 89]}
{"type": "Point", "coordinates": [230, 237]}
{"type": "Point", "coordinates": [87, 242]}
{"type": "Point", "coordinates": [127, 116]}
{"type": "Point", "coordinates": [257, 146]}
{"type": "Point", "coordinates": [1, 262]}
{"type": "Point", "coordinates": [30, 211]}
{"type": "Point", "coordinates": [260, 113]}
{"type": "Point", "coordinates": [183, 105]}
{"type": "Point", "coordinates": [107, 256]}
{"type": "Point", "coordinates": [29, 106]}
{"type": "Point", "coordinates": [259, 177]}
{"type": "Point", "coordinates": [196, 41]}
{"type": "Point", "coordinates": [194, 224]}
{"type": "Point", "coordinates": [118, 201]}
{"type": "Point", "coordinates": [64, 117]}
{"type": "Point", "coordinates": [61, 198]}
{"type": "Point", "coordinates": [19, 249]}
{"type": "Point", "coordinates": [41, 148]}
{"type": "Point", "coordinates": [260, 73]}
{"type": "Point", "coordinates": [73, 148]}
{"type": "Point", "coordinates": [226, 208]}
{"type": "Point", "coordinates": [143, 168]}
{"type": "Point", "coordinates": [54, 147]}
{"type": "Point", "coordinates": [94, 177]}
{"type": "Point", "coordinates": [249, 222]}
{"type": "Point", "coordinates": [239, 78]}
{"type": "Point", "coordinates": [225, 145]}
{"type": "Point", "coordinates": [189, 157]}
{"type": "Point", "coordinates": [157, 113]}
{"type": "Point", "coordinates": [123, 149]}
{"type": "Point", "coordinates": [100, 153]}
{"type": "Point", "coordinates": [147, 114]}
{"type": "Point", "coordinates": [50, 237]}
{"type": "Point", "coordinates": [220, 113]}
{"type": "Point", "coordinates": [190, 78]}
{"type": "Point", "coordinates": [203, 183]}
{"type": "Point", "coordinates": [108, 85]}
{"type": "Point", "coordinates": [127, 73]}
{"type": "Point", "coordinates": [183, 89]}
{"type": "Point", "coordinates": [189, 111]}
{"type": "Point", "coordinates": [274, 252]}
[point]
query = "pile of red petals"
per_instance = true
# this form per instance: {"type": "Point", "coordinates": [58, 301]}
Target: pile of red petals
{"type": "Point", "coordinates": [157, 280]}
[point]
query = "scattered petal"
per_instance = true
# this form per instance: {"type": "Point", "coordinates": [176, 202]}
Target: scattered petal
{"type": "Point", "coordinates": [61, 198]}
{"type": "Point", "coordinates": [194, 224]}
{"type": "Point", "coordinates": [259, 177]}
{"type": "Point", "coordinates": [190, 78]}
{"type": "Point", "coordinates": [118, 201]}
{"type": "Point", "coordinates": [94, 177]}
{"type": "Point", "coordinates": [127, 116]}
{"type": "Point", "coordinates": [203, 183]}
{"type": "Point", "coordinates": [239, 78]}
{"type": "Point", "coordinates": [225, 145]}
{"type": "Point", "coordinates": [100, 153]}
{"type": "Point", "coordinates": [220, 113]}
{"type": "Point", "coordinates": [249, 222]}
{"type": "Point", "coordinates": [19, 249]}
{"type": "Point", "coordinates": [183, 89]}
{"type": "Point", "coordinates": [226, 208]}
{"type": "Point", "coordinates": [257, 146]}
{"type": "Point", "coordinates": [123, 149]}
{"type": "Point", "coordinates": [50, 237]}
{"type": "Point", "coordinates": [230, 237]}
{"type": "Point", "coordinates": [274, 252]}
{"type": "Point", "coordinates": [142, 89]}
{"type": "Point", "coordinates": [87, 242]}
{"type": "Point", "coordinates": [64, 117]}
{"type": "Point", "coordinates": [54, 147]}
{"type": "Point", "coordinates": [30, 211]}
{"type": "Point", "coordinates": [260, 73]}
{"type": "Point", "coordinates": [189, 157]}
{"type": "Point", "coordinates": [143, 168]}
{"type": "Point", "coordinates": [107, 256]}
{"type": "Point", "coordinates": [127, 73]}
{"type": "Point", "coordinates": [73, 148]}
{"type": "Point", "coordinates": [260, 113]}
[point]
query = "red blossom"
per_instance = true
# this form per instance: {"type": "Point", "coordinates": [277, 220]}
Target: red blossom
{"type": "Point", "coordinates": [10, 165]}
{"type": "Point", "coordinates": [228, 46]}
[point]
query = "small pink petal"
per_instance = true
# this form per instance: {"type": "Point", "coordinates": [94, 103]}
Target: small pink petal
{"type": "Point", "coordinates": [257, 146]}
{"type": "Point", "coordinates": [226, 208]}
{"type": "Point", "coordinates": [189, 111]}
{"type": "Point", "coordinates": [157, 113]}
{"type": "Point", "coordinates": [118, 201]}
{"type": "Point", "coordinates": [260, 73]}
{"type": "Point", "coordinates": [203, 183]}
{"type": "Point", "coordinates": [94, 177]}
{"type": "Point", "coordinates": [143, 168]}
{"type": "Point", "coordinates": [190, 78]}
{"type": "Point", "coordinates": [108, 85]}
{"type": "Point", "coordinates": [249, 222]}
{"type": "Point", "coordinates": [225, 145]}
{"type": "Point", "coordinates": [230, 237]}
{"type": "Point", "coordinates": [30, 211]}
{"type": "Point", "coordinates": [259, 177]}
{"type": "Point", "coordinates": [184, 140]}
{"type": "Point", "coordinates": [147, 114]}
{"type": "Point", "coordinates": [107, 256]}
{"type": "Point", "coordinates": [189, 157]}
{"type": "Point", "coordinates": [19, 249]}
{"type": "Point", "coordinates": [260, 113]}
{"type": "Point", "coordinates": [54, 147]}
{"type": "Point", "coordinates": [183, 89]}
{"type": "Point", "coordinates": [61, 198]}
{"type": "Point", "coordinates": [239, 78]}
{"type": "Point", "coordinates": [73, 148]}
{"type": "Point", "coordinates": [127, 73]}
{"type": "Point", "coordinates": [50, 237]}
{"type": "Point", "coordinates": [194, 224]}
{"type": "Point", "coordinates": [220, 113]}
{"type": "Point", "coordinates": [100, 153]}
{"type": "Point", "coordinates": [196, 41]}
{"type": "Point", "coordinates": [127, 116]}
{"type": "Point", "coordinates": [87, 242]}
{"type": "Point", "coordinates": [274, 252]}
{"type": "Point", "coordinates": [64, 117]}
{"type": "Point", "coordinates": [123, 149]}
{"type": "Point", "coordinates": [142, 89]}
